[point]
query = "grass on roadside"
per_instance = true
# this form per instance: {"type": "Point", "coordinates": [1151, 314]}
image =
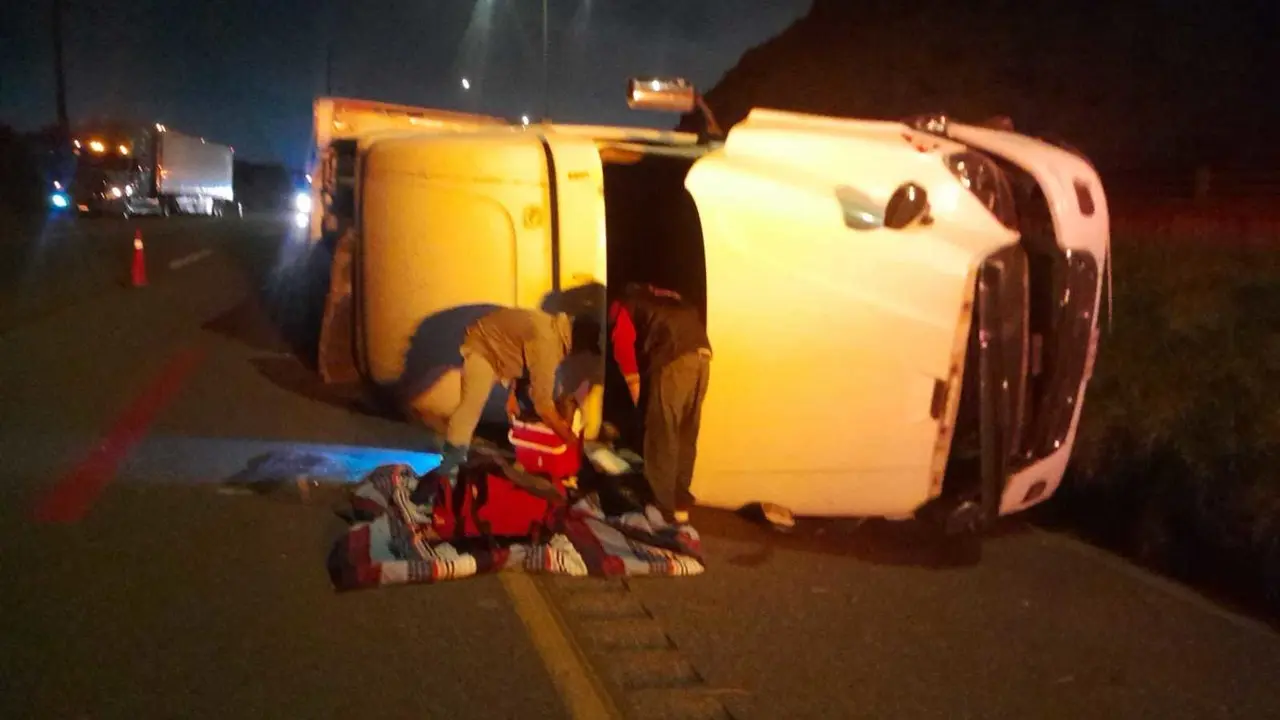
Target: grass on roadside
{"type": "Point", "coordinates": [1178, 458]}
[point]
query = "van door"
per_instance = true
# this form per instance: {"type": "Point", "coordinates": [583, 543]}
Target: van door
{"type": "Point", "coordinates": [837, 344]}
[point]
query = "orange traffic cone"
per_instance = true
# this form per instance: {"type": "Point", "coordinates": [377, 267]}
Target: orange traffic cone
{"type": "Point", "coordinates": [139, 261]}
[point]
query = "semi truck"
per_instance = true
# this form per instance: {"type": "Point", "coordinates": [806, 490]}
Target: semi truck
{"type": "Point", "coordinates": [131, 170]}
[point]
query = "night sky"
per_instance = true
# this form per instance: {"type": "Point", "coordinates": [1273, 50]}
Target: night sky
{"type": "Point", "coordinates": [244, 72]}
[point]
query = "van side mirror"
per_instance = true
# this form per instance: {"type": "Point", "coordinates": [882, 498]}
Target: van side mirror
{"type": "Point", "coordinates": [671, 95]}
{"type": "Point", "coordinates": [661, 94]}
{"type": "Point", "coordinates": [908, 202]}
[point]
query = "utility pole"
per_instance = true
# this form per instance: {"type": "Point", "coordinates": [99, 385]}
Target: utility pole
{"type": "Point", "coordinates": [335, 22]}
{"type": "Point", "coordinates": [546, 97]}
{"type": "Point", "coordinates": [328, 69]}
{"type": "Point", "coordinates": [64, 125]}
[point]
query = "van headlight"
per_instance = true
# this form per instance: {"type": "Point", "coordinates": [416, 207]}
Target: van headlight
{"type": "Point", "coordinates": [302, 202]}
{"type": "Point", "coordinates": [981, 176]}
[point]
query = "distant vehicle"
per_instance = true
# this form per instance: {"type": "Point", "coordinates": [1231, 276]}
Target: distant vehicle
{"type": "Point", "coordinates": [904, 315]}
{"type": "Point", "coordinates": [149, 170]}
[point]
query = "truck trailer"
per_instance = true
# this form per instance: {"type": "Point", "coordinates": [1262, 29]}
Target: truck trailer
{"type": "Point", "coordinates": [148, 170]}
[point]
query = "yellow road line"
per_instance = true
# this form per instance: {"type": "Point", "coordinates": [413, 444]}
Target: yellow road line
{"type": "Point", "coordinates": [580, 688]}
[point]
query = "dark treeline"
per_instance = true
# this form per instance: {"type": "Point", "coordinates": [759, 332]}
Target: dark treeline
{"type": "Point", "coordinates": [1158, 85]}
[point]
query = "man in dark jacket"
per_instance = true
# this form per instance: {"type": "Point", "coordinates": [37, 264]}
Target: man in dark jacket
{"type": "Point", "coordinates": [659, 338]}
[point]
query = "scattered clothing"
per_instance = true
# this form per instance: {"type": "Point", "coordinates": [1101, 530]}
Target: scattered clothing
{"type": "Point", "coordinates": [394, 541]}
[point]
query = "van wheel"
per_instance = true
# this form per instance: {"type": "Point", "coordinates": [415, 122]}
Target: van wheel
{"type": "Point", "coordinates": [775, 516]}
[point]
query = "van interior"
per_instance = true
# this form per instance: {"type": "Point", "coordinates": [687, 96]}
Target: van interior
{"type": "Point", "coordinates": [654, 236]}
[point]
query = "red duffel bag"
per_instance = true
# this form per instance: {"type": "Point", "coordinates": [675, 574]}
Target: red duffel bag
{"type": "Point", "coordinates": [486, 503]}
{"type": "Point", "coordinates": [495, 498]}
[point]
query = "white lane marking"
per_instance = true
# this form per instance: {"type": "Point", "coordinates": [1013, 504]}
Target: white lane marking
{"type": "Point", "coordinates": [192, 258]}
{"type": "Point", "coordinates": [1169, 587]}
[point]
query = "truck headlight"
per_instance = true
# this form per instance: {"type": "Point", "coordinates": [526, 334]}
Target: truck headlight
{"type": "Point", "coordinates": [116, 191]}
{"type": "Point", "coordinates": [302, 202]}
{"type": "Point", "coordinates": [981, 176]}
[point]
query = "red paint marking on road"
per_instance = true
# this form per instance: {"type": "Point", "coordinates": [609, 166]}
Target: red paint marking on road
{"type": "Point", "coordinates": [74, 494]}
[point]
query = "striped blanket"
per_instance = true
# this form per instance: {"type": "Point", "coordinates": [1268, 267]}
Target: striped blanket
{"type": "Point", "coordinates": [390, 542]}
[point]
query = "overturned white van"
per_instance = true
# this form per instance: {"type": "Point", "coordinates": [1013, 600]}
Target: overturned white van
{"type": "Point", "coordinates": [904, 314]}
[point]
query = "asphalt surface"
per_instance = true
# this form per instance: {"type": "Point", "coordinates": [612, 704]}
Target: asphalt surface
{"type": "Point", "coordinates": [149, 593]}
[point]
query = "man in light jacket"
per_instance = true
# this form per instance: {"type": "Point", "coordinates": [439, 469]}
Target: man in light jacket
{"type": "Point", "coordinates": [501, 347]}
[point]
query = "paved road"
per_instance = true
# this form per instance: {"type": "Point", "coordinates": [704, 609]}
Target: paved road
{"type": "Point", "coordinates": [143, 592]}
{"type": "Point", "coordinates": [70, 261]}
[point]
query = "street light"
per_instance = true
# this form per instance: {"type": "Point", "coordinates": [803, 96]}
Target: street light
{"type": "Point", "coordinates": [486, 6]}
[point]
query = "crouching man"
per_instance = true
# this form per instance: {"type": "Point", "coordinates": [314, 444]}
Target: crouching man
{"type": "Point", "coordinates": [502, 347]}
{"type": "Point", "coordinates": [660, 341]}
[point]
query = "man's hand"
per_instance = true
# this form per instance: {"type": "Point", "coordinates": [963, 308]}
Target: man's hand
{"type": "Point", "coordinates": [609, 433]}
{"type": "Point", "coordinates": [551, 418]}
{"type": "Point", "coordinates": [633, 386]}
{"type": "Point", "coordinates": [567, 405]}
{"type": "Point", "coordinates": [513, 405]}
